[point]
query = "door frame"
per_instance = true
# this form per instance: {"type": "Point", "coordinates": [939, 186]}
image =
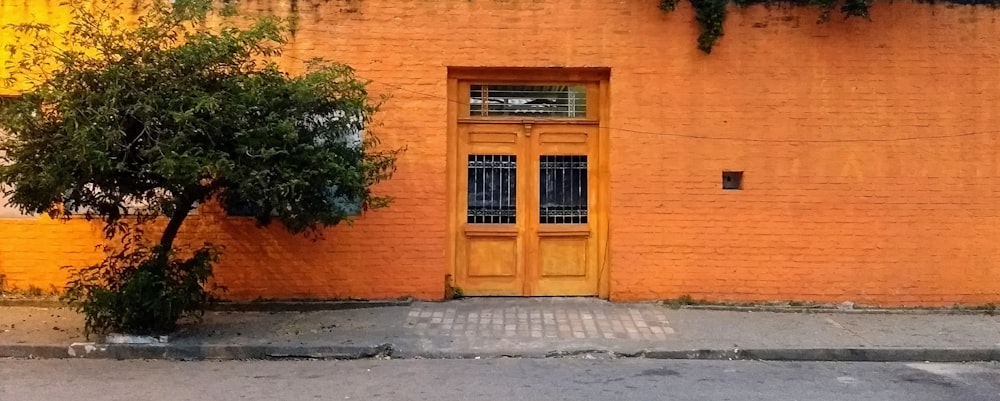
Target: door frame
{"type": "Point", "coordinates": [527, 75]}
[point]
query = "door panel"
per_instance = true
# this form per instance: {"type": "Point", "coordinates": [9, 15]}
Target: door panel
{"type": "Point", "coordinates": [526, 196]}
{"type": "Point", "coordinates": [563, 257]}
{"type": "Point", "coordinates": [562, 236]}
{"type": "Point", "coordinates": [490, 244]}
{"type": "Point", "coordinates": [492, 257]}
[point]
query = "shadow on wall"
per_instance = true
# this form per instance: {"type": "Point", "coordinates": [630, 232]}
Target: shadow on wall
{"type": "Point", "coordinates": [266, 262]}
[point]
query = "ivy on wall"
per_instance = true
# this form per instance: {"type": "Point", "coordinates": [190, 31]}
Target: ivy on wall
{"type": "Point", "coordinates": [711, 14]}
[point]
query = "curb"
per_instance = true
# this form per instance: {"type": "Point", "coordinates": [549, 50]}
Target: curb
{"type": "Point", "coordinates": [277, 352]}
{"type": "Point", "coordinates": [835, 310]}
{"type": "Point", "coordinates": [763, 354]}
{"type": "Point", "coordinates": [21, 351]}
{"type": "Point", "coordinates": [837, 354]}
{"type": "Point", "coordinates": [191, 352]}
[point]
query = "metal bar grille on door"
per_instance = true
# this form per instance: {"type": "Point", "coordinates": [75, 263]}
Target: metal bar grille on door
{"type": "Point", "coordinates": [528, 100]}
{"type": "Point", "coordinates": [563, 190]}
{"type": "Point", "coordinates": [492, 189]}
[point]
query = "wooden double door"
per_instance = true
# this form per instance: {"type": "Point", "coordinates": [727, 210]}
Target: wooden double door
{"type": "Point", "coordinates": [527, 198]}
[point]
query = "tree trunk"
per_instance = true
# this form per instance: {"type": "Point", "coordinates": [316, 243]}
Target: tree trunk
{"type": "Point", "coordinates": [182, 207]}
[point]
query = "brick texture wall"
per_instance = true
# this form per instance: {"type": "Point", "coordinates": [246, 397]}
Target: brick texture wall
{"type": "Point", "coordinates": [839, 203]}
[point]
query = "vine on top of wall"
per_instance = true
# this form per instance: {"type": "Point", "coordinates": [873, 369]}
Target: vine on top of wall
{"type": "Point", "coordinates": [711, 14]}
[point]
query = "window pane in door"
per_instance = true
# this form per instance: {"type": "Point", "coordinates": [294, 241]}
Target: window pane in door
{"type": "Point", "coordinates": [562, 190]}
{"type": "Point", "coordinates": [492, 189]}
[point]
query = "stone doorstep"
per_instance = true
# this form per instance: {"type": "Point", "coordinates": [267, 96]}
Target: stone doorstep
{"type": "Point", "coordinates": [512, 321]}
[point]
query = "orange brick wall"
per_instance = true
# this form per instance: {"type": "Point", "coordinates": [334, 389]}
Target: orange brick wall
{"type": "Point", "coordinates": [887, 222]}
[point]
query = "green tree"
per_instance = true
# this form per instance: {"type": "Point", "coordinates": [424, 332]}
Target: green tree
{"type": "Point", "coordinates": [131, 119]}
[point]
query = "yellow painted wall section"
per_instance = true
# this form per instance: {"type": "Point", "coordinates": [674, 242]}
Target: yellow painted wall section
{"type": "Point", "coordinates": [14, 12]}
{"type": "Point", "coordinates": [861, 210]}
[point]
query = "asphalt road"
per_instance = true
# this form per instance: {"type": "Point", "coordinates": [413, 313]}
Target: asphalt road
{"type": "Point", "coordinates": [495, 379]}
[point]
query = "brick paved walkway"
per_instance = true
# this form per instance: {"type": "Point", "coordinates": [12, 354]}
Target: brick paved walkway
{"type": "Point", "coordinates": [540, 318]}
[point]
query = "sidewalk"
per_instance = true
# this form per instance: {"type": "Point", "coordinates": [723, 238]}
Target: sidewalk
{"type": "Point", "coordinates": [529, 327]}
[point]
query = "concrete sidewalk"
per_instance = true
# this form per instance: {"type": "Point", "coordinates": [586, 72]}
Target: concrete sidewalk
{"type": "Point", "coordinates": [529, 327]}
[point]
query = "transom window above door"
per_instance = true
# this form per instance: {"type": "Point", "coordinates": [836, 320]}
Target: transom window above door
{"type": "Point", "coordinates": [535, 101]}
